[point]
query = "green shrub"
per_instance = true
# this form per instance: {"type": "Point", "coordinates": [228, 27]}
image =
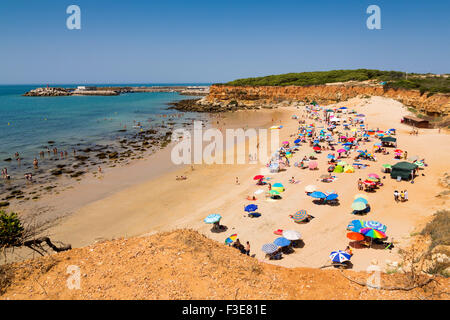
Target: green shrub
{"type": "Point", "coordinates": [11, 229]}
{"type": "Point", "coordinates": [439, 229]}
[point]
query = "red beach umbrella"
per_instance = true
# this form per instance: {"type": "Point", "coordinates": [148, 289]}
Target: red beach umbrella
{"type": "Point", "coordinates": [355, 236]}
{"type": "Point", "coordinates": [258, 177]}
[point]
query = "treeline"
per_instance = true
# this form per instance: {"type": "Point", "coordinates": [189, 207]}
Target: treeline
{"type": "Point", "coordinates": [390, 79]}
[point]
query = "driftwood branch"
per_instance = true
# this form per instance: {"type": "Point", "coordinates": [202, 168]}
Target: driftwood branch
{"type": "Point", "coordinates": [419, 285]}
{"type": "Point", "coordinates": [32, 244]}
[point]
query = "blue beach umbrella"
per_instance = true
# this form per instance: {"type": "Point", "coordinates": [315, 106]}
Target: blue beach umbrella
{"type": "Point", "coordinates": [269, 248]}
{"type": "Point", "coordinates": [339, 256]}
{"type": "Point", "coordinates": [331, 156]}
{"type": "Point", "coordinates": [282, 242]}
{"type": "Point", "coordinates": [251, 208]}
{"type": "Point", "coordinates": [355, 225]}
{"type": "Point", "coordinates": [318, 195]}
{"type": "Point", "coordinates": [212, 218]}
{"type": "Point", "coordinates": [332, 196]}
{"type": "Point", "coordinates": [361, 200]}
{"type": "Point", "coordinates": [297, 141]}
{"type": "Point", "coordinates": [375, 225]}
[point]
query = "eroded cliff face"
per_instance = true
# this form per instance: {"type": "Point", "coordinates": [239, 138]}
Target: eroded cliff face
{"type": "Point", "coordinates": [437, 104]}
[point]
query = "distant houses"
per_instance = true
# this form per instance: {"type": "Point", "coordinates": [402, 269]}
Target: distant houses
{"type": "Point", "coordinates": [86, 88]}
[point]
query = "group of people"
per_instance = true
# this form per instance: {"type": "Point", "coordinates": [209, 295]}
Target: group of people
{"type": "Point", "coordinates": [243, 249]}
{"type": "Point", "coordinates": [401, 196]}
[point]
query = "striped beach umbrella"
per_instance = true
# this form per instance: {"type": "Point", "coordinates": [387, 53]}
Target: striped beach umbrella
{"type": "Point", "coordinates": [213, 218]}
{"type": "Point", "coordinates": [231, 239]}
{"type": "Point", "coordinates": [300, 216]}
{"type": "Point", "coordinates": [374, 175]}
{"type": "Point", "coordinates": [269, 248]}
{"type": "Point", "coordinates": [339, 256]}
{"type": "Point", "coordinates": [375, 225]}
{"type": "Point", "coordinates": [373, 233]}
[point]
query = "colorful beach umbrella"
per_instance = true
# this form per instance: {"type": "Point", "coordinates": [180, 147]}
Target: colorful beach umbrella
{"type": "Point", "coordinates": [231, 239]}
{"type": "Point", "coordinates": [373, 233]}
{"type": "Point", "coordinates": [341, 150]}
{"type": "Point", "coordinates": [361, 200]}
{"type": "Point", "coordinates": [339, 256]}
{"type": "Point", "coordinates": [274, 193]}
{"type": "Point", "coordinates": [374, 175]}
{"type": "Point", "coordinates": [292, 235]}
{"type": "Point", "coordinates": [282, 242]}
{"type": "Point", "coordinates": [355, 225]}
{"type": "Point", "coordinates": [375, 225]}
{"type": "Point", "coordinates": [312, 164]}
{"type": "Point", "coordinates": [300, 215]}
{"type": "Point", "coordinates": [212, 218]}
{"type": "Point", "coordinates": [269, 248]}
{"type": "Point", "coordinates": [258, 177]}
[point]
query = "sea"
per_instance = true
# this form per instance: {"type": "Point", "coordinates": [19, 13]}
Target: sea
{"type": "Point", "coordinates": [29, 125]}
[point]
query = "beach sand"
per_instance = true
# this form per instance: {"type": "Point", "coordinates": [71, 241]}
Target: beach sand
{"type": "Point", "coordinates": [145, 198]}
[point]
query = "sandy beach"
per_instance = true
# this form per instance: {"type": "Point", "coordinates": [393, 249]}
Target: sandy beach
{"type": "Point", "coordinates": [144, 197]}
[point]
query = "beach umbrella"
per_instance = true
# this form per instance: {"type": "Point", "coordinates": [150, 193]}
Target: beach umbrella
{"type": "Point", "coordinates": [339, 256]}
{"type": "Point", "coordinates": [251, 207]}
{"type": "Point", "coordinates": [341, 150]}
{"type": "Point", "coordinates": [297, 141]}
{"type": "Point", "coordinates": [387, 166]}
{"type": "Point", "coordinates": [368, 182]}
{"type": "Point", "coordinates": [231, 239]}
{"type": "Point", "coordinates": [398, 151]}
{"type": "Point", "coordinates": [274, 193]}
{"type": "Point", "coordinates": [310, 188]}
{"type": "Point", "coordinates": [331, 156]}
{"type": "Point", "coordinates": [360, 195]}
{"type": "Point", "coordinates": [375, 225]}
{"type": "Point", "coordinates": [373, 233]}
{"type": "Point", "coordinates": [291, 235]}
{"type": "Point", "coordinates": [317, 148]}
{"type": "Point", "coordinates": [300, 216]}
{"type": "Point", "coordinates": [269, 248]}
{"type": "Point", "coordinates": [358, 206]}
{"type": "Point", "coordinates": [332, 196]}
{"type": "Point", "coordinates": [318, 195]}
{"type": "Point", "coordinates": [342, 163]}
{"type": "Point", "coordinates": [258, 177]}
{"type": "Point", "coordinates": [312, 164]}
{"type": "Point", "coordinates": [419, 164]}
{"type": "Point", "coordinates": [355, 225]}
{"type": "Point", "coordinates": [285, 142]}
{"type": "Point", "coordinates": [361, 200]}
{"type": "Point", "coordinates": [212, 218]}
{"type": "Point", "coordinates": [373, 179]}
{"type": "Point", "coordinates": [355, 236]}
{"type": "Point", "coordinates": [282, 242]}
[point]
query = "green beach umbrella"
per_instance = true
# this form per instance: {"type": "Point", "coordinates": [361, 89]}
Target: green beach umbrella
{"type": "Point", "coordinates": [387, 166]}
{"type": "Point", "coordinates": [358, 205]}
{"type": "Point", "coordinates": [274, 192]}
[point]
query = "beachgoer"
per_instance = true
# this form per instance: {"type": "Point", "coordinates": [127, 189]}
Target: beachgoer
{"type": "Point", "coordinates": [406, 195]}
{"type": "Point", "coordinates": [402, 196]}
{"type": "Point", "coordinates": [247, 248]}
{"type": "Point", "coordinates": [237, 180]}
{"type": "Point", "coordinates": [349, 250]}
{"type": "Point", "coordinates": [396, 196]}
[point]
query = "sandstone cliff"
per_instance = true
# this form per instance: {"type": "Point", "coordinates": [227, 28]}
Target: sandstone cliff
{"type": "Point", "coordinates": [247, 96]}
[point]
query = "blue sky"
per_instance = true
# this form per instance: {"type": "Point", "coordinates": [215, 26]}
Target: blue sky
{"type": "Point", "coordinates": [137, 41]}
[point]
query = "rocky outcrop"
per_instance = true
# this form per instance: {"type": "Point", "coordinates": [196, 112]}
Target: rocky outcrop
{"type": "Point", "coordinates": [249, 96]}
{"type": "Point", "coordinates": [48, 92]}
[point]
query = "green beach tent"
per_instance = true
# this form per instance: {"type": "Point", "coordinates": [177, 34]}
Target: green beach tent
{"type": "Point", "coordinates": [338, 169]}
{"type": "Point", "coordinates": [403, 169]}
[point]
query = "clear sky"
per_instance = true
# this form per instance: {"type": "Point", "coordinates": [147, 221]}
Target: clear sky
{"type": "Point", "coordinates": [137, 41]}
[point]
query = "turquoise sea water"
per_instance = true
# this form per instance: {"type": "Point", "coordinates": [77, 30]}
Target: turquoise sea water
{"type": "Point", "coordinates": [28, 123]}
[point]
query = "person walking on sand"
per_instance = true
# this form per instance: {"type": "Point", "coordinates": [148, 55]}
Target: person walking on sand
{"type": "Point", "coordinates": [396, 196]}
{"type": "Point", "coordinates": [35, 163]}
{"type": "Point", "coordinates": [247, 249]}
{"type": "Point", "coordinates": [402, 196]}
{"type": "Point", "coordinates": [406, 195]}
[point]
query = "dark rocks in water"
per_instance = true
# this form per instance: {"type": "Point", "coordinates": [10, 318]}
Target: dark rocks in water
{"type": "Point", "coordinates": [56, 172]}
{"type": "Point", "coordinates": [60, 166]}
{"type": "Point", "coordinates": [87, 150]}
{"type": "Point", "coordinates": [122, 130]}
{"type": "Point", "coordinates": [51, 142]}
{"type": "Point", "coordinates": [4, 204]}
{"type": "Point", "coordinates": [77, 174]}
{"type": "Point", "coordinates": [35, 197]}
{"type": "Point", "coordinates": [113, 155]}
{"type": "Point", "coordinates": [16, 192]}
{"type": "Point", "coordinates": [48, 188]}
{"type": "Point", "coordinates": [81, 158]}
{"type": "Point", "coordinates": [7, 159]}
{"type": "Point", "coordinates": [68, 171]}
{"type": "Point", "coordinates": [101, 155]}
